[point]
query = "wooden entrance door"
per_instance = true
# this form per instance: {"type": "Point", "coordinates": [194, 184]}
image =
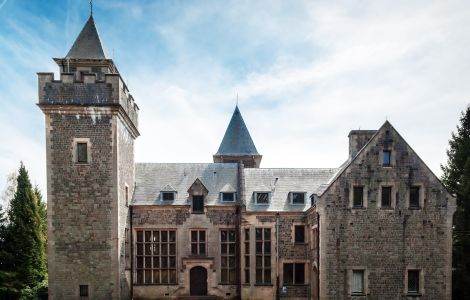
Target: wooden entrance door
{"type": "Point", "coordinates": [198, 281]}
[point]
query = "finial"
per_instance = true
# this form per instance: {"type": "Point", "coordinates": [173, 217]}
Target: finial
{"type": "Point", "coordinates": [91, 8]}
{"type": "Point", "coordinates": [237, 99]}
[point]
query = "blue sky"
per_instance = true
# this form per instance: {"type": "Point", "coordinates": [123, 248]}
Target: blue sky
{"type": "Point", "coordinates": [306, 72]}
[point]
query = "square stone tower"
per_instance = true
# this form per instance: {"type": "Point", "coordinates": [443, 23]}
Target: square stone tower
{"type": "Point", "coordinates": [91, 125]}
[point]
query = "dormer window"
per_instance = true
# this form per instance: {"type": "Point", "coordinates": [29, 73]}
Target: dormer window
{"type": "Point", "coordinates": [168, 196]}
{"type": "Point", "coordinates": [227, 196]}
{"type": "Point", "coordinates": [297, 197]}
{"type": "Point", "coordinates": [262, 197]}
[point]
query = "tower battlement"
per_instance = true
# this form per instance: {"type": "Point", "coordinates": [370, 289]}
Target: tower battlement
{"type": "Point", "coordinates": [87, 91]}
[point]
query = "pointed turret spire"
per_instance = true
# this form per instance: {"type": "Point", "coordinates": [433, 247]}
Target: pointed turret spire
{"type": "Point", "coordinates": [237, 145]}
{"type": "Point", "coordinates": [88, 44]}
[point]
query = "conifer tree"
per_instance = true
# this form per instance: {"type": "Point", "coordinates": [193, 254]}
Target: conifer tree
{"type": "Point", "coordinates": [456, 178]}
{"type": "Point", "coordinates": [26, 232]}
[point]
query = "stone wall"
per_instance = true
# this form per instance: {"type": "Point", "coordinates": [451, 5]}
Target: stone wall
{"type": "Point", "coordinates": [80, 205]}
{"type": "Point", "coordinates": [386, 242]}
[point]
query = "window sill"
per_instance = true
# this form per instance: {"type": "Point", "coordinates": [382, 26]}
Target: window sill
{"type": "Point", "coordinates": [413, 294]}
{"type": "Point", "coordinates": [414, 208]}
{"type": "Point", "coordinates": [300, 243]}
{"type": "Point", "coordinates": [197, 212]}
{"type": "Point", "coordinates": [224, 283]}
{"type": "Point", "coordinates": [387, 208]}
{"type": "Point", "coordinates": [154, 284]}
{"type": "Point", "coordinates": [82, 163]}
{"type": "Point", "coordinates": [295, 284]}
{"type": "Point", "coordinates": [264, 284]}
{"type": "Point", "coordinates": [358, 207]}
{"type": "Point", "coordinates": [358, 295]}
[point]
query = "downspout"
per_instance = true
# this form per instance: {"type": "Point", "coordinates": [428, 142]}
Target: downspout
{"type": "Point", "coordinates": [318, 255]}
{"type": "Point", "coordinates": [131, 243]}
{"type": "Point", "coordinates": [277, 256]}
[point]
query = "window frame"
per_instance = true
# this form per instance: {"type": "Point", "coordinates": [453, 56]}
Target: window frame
{"type": "Point", "coordinates": [354, 196]}
{"type": "Point", "coordinates": [420, 285]}
{"type": "Point", "coordinates": [389, 155]}
{"type": "Point", "coordinates": [419, 194]}
{"type": "Point", "coordinates": [167, 192]}
{"type": "Point", "coordinates": [75, 148]}
{"type": "Point", "coordinates": [198, 242]}
{"type": "Point", "coordinates": [221, 197]}
{"type": "Point", "coordinates": [84, 291]}
{"type": "Point", "coordinates": [151, 246]}
{"type": "Point", "coordinates": [390, 196]}
{"type": "Point", "coordinates": [295, 265]}
{"type": "Point", "coordinates": [255, 194]}
{"type": "Point", "coordinates": [291, 198]}
{"type": "Point", "coordinates": [363, 281]}
{"type": "Point", "coordinates": [193, 211]}
{"type": "Point", "coordinates": [247, 252]}
{"type": "Point", "coordinates": [228, 268]}
{"type": "Point", "coordinates": [295, 226]}
{"type": "Point", "coordinates": [263, 256]}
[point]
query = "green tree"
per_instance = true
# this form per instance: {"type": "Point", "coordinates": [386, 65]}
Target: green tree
{"type": "Point", "coordinates": [456, 178]}
{"type": "Point", "coordinates": [23, 239]}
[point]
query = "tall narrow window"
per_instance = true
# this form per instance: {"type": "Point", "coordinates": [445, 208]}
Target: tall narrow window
{"type": "Point", "coordinates": [414, 197]}
{"type": "Point", "coordinates": [386, 158]}
{"type": "Point", "coordinates": [82, 152]}
{"type": "Point", "coordinates": [357, 282]}
{"type": "Point", "coordinates": [358, 196]}
{"type": "Point", "coordinates": [198, 204]}
{"type": "Point", "coordinates": [386, 197]}
{"type": "Point", "coordinates": [413, 281]}
{"type": "Point", "coordinates": [156, 256]}
{"type": "Point", "coordinates": [247, 255]}
{"type": "Point", "coordinates": [263, 255]}
{"type": "Point", "coordinates": [126, 194]}
{"type": "Point", "coordinates": [227, 256]}
{"type": "Point", "coordinates": [198, 242]}
{"type": "Point", "coordinates": [299, 234]}
{"type": "Point", "coordinates": [294, 274]}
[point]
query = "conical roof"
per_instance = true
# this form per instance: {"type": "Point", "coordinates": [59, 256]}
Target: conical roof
{"type": "Point", "coordinates": [237, 139]}
{"type": "Point", "coordinates": [88, 43]}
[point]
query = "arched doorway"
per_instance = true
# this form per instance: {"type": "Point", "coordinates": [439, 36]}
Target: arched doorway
{"type": "Point", "coordinates": [198, 281]}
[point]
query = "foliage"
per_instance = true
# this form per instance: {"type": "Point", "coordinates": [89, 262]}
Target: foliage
{"type": "Point", "coordinates": [23, 243]}
{"type": "Point", "coordinates": [456, 178]}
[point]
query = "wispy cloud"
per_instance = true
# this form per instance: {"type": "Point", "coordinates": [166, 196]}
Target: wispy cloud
{"type": "Point", "coordinates": [306, 73]}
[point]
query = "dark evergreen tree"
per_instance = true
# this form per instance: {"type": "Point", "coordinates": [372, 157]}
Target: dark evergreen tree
{"type": "Point", "coordinates": [26, 233]}
{"type": "Point", "coordinates": [456, 178]}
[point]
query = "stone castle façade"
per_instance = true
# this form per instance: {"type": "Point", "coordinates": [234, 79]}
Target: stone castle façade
{"type": "Point", "coordinates": [377, 227]}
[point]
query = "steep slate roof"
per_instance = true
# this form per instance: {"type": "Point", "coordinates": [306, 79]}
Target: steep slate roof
{"type": "Point", "coordinates": [282, 181]}
{"type": "Point", "coordinates": [88, 43]}
{"type": "Point", "coordinates": [237, 139]}
{"type": "Point", "coordinates": [152, 178]}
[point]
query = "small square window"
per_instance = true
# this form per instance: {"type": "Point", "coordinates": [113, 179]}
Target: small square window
{"type": "Point", "coordinates": [262, 198]}
{"type": "Point", "coordinates": [168, 196]}
{"type": "Point", "coordinates": [83, 290]}
{"type": "Point", "coordinates": [227, 197]}
{"type": "Point", "coordinates": [82, 152]}
{"type": "Point", "coordinates": [357, 282]}
{"type": "Point", "coordinates": [413, 281]}
{"type": "Point", "coordinates": [386, 197]}
{"type": "Point", "coordinates": [386, 158]}
{"type": "Point", "coordinates": [299, 233]}
{"type": "Point", "coordinates": [297, 198]}
{"type": "Point", "coordinates": [358, 196]}
{"type": "Point", "coordinates": [414, 197]}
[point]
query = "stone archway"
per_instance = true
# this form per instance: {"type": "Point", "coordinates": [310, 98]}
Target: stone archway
{"type": "Point", "coordinates": [198, 281]}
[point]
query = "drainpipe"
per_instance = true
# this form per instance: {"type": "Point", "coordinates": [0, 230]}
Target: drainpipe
{"type": "Point", "coordinates": [318, 255]}
{"type": "Point", "coordinates": [131, 243]}
{"type": "Point", "coordinates": [277, 256]}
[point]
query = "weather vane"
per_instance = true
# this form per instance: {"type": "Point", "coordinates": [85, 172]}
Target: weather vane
{"type": "Point", "coordinates": [91, 7]}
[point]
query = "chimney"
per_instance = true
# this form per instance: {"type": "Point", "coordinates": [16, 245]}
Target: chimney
{"type": "Point", "coordinates": [358, 139]}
